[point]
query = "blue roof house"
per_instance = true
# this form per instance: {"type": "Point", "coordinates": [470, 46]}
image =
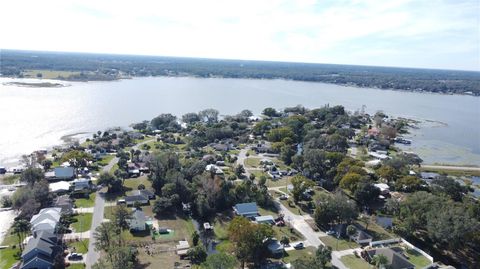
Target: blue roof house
{"type": "Point", "coordinates": [247, 210]}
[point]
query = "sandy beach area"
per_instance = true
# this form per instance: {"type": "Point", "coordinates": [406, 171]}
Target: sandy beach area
{"type": "Point", "coordinates": [6, 221]}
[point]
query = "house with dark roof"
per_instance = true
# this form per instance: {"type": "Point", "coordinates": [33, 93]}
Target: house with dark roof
{"type": "Point", "coordinates": [130, 200]}
{"type": "Point", "coordinates": [40, 251]}
{"type": "Point", "coordinates": [247, 210]}
{"type": "Point", "coordinates": [361, 237]}
{"type": "Point", "coordinates": [65, 203]}
{"type": "Point", "coordinates": [396, 260]}
{"type": "Point", "coordinates": [149, 194]}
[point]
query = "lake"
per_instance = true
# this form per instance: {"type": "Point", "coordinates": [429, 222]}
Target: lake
{"type": "Point", "coordinates": [35, 118]}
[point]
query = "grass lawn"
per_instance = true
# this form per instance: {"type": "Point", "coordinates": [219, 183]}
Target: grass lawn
{"type": "Point", "coordinates": [295, 209]}
{"type": "Point", "coordinates": [268, 211]}
{"type": "Point", "coordinates": [220, 227]}
{"type": "Point", "coordinates": [342, 243]}
{"type": "Point", "coordinates": [80, 246]}
{"type": "Point", "coordinates": [105, 160]}
{"type": "Point", "coordinates": [293, 235]}
{"type": "Point", "coordinates": [7, 180]}
{"type": "Point", "coordinates": [258, 174]}
{"type": "Point", "coordinates": [416, 258]}
{"type": "Point", "coordinates": [76, 266]}
{"type": "Point", "coordinates": [353, 262]}
{"type": "Point", "coordinates": [84, 202]}
{"type": "Point", "coordinates": [252, 162]}
{"type": "Point", "coordinates": [376, 231]}
{"type": "Point", "coordinates": [114, 168]}
{"type": "Point", "coordinates": [282, 182]}
{"type": "Point", "coordinates": [132, 183]}
{"type": "Point", "coordinates": [159, 259]}
{"type": "Point", "coordinates": [293, 255]}
{"type": "Point", "coordinates": [7, 255]}
{"type": "Point", "coordinates": [83, 223]}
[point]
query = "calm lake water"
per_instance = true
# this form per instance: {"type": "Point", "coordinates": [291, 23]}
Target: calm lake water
{"type": "Point", "coordinates": [34, 118]}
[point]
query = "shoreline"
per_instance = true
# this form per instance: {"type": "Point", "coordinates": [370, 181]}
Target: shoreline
{"type": "Point", "coordinates": [249, 78]}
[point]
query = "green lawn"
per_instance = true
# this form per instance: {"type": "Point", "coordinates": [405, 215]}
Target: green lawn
{"type": "Point", "coordinates": [268, 211]}
{"type": "Point", "coordinates": [84, 202]}
{"type": "Point", "coordinates": [252, 162]}
{"type": "Point", "coordinates": [282, 182]}
{"type": "Point", "coordinates": [76, 266]}
{"type": "Point", "coordinates": [338, 244]}
{"type": "Point", "coordinates": [83, 223]}
{"type": "Point", "coordinates": [291, 233]}
{"type": "Point", "coordinates": [416, 258]}
{"type": "Point", "coordinates": [115, 167]}
{"type": "Point", "coordinates": [353, 262]}
{"type": "Point", "coordinates": [300, 253]}
{"type": "Point", "coordinates": [106, 159]}
{"type": "Point", "coordinates": [80, 246]}
{"type": "Point", "coordinates": [7, 255]}
{"type": "Point", "coordinates": [376, 231]}
{"type": "Point", "coordinates": [49, 74]}
{"type": "Point", "coordinates": [132, 183]}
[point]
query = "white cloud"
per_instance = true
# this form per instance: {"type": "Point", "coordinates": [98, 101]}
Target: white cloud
{"type": "Point", "coordinates": [306, 30]}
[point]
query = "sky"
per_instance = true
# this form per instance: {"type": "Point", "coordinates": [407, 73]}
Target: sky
{"type": "Point", "coordinates": [439, 34]}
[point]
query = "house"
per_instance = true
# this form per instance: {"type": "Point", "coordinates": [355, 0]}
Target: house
{"type": "Point", "coordinates": [182, 248]}
{"type": "Point", "coordinates": [137, 222]}
{"type": "Point", "coordinates": [149, 194]}
{"type": "Point", "coordinates": [133, 170]}
{"type": "Point", "coordinates": [81, 184]}
{"type": "Point", "coordinates": [217, 170]}
{"type": "Point", "coordinates": [384, 188]}
{"type": "Point", "coordinates": [275, 247]}
{"type": "Point", "coordinates": [247, 210]}
{"type": "Point", "coordinates": [59, 187]}
{"type": "Point", "coordinates": [46, 220]}
{"type": "Point", "coordinates": [130, 200]}
{"type": "Point", "coordinates": [61, 173]}
{"type": "Point", "coordinates": [40, 251]}
{"type": "Point", "coordinates": [265, 220]}
{"type": "Point", "coordinates": [65, 203]}
{"type": "Point", "coordinates": [263, 148]}
{"type": "Point", "coordinates": [222, 147]}
{"type": "Point", "coordinates": [395, 258]}
{"type": "Point", "coordinates": [361, 237]}
{"type": "Point", "coordinates": [377, 155]}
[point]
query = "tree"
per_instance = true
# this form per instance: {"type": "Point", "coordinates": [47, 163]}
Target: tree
{"type": "Point", "coordinates": [408, 183]}
{"type": "Point", "coordinates": [197, 254]}
{"type": "Point", "coordinates": [122, 217]}
{"type": "Point", "coordinates": [191, 118]}
{"type": "Point", "coordinates": [107, 237]}
{"type": "Point", "coordinates": [220, 260]}
{"type": "Point", "coordinates": [300, 185]}
{"type": "Point", "coordinates": [248, 239]}
{"type": "Point", "coordinates": [239, 170]}
{"type": "Point", "coordinates": [165, 121]}
{"type": "Point", "coordinates": [351, 231]}
{"type": "Point", "coordinates": [209, 115]}
{"type": "Point", "coordinates": [380, 261]}
{"type": "Point", "coordinates": [270, 112]}
{"type": "Point", "coordinates": [163, 205]}
{"type": "Point", "coordinates": [285, 240]}
{"type": "Point", "coordinates": [21, 227]}
{"type": "Point", "coordinates": [388, 173]}
{"type": "Point", "coordinates": [31, 175]}
{"type": "Point", "coordinates": [323, 256]}
{"type": "Point", "coordinates": [47, 164]}
{"type": "Point", "coordinates": [195, 238]}
{"type": "Point", "coordinates": [366, 193]}
{"type": "Point", "coordinates": [77, 158]}
{"type": "Point", "coordinates": [112, 182]}
{"type": "Point", "coordinates": [140, 126]}
{"type": "Point", "coordinates": [335, 209]}
{"type": "Point", "coordinates": [280, 134]}
{"type": "Point", "coordinates": [350, 181]}
{"type": "Point", "coordinates": [450, 187]}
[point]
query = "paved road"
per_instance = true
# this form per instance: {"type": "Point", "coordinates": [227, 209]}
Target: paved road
{"type": "Point", "coordinates": [98, 209]}
{"type": "Point", "coordinates": [242, 156]}
{"type": "Point", "coordinates": [93, 255]}
{"type": "Point", "coordinates": [447, 167]}
{"type": "Point", "coordinates": [312, 238]}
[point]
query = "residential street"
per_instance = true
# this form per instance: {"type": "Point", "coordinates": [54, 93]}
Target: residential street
{"type": "Point", "coordinates": [93, 255]}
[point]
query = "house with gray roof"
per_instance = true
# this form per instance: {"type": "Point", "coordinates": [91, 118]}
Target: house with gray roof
{"type": "Point", "coordinates": [61, 173]}
{"type": "Point", "coordinates": [396, 260]}
{"type": "Point", "coordinates": [247, 210]}
{"type": "Point", "coordinates": [40, 251]}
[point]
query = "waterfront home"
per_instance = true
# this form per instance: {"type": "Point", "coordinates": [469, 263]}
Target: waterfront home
{"type": "Point", "coordinates": [46, 220]}
{"type": "Point", "coordinates": [40, 251]}
{"type": "Point", "coordinates": [61, 173]}
{"type": "Point", "coordinates": [138, 221]}
{"type": "Point", "coordinates": [65, 203]}
{"type": "Point", "coordinates": [247, 210]}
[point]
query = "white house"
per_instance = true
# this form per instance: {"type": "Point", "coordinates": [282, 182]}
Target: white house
{"type": "Point", "coordinates": [137, 222]}
{"type": "Point", "coordinates": [46, 220]}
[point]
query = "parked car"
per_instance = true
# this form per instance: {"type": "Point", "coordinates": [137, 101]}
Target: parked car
{"type": "Point", "coordinates": [75, 256]}
{"type": "Point", "coordinates": [299, 245]}
{"type": "Point", "coordinates": [283, 197]}
{"type": "Point", "coordinates": [330, 232]}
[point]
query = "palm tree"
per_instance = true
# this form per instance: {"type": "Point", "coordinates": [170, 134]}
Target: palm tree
{"type": "Point", "coordinates": [20, 228]}
{"type": "Point", "coordinates": [380, 261]}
